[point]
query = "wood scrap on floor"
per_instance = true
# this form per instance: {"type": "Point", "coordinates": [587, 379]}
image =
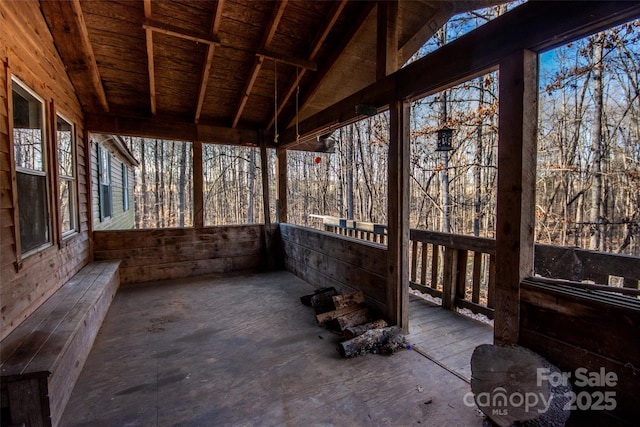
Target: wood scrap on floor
{"type": "Point", "coordinates": [347, 314]}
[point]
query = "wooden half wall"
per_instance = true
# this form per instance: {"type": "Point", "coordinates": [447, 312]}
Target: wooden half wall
{"type": "Point", "coordinates": [158, 254]}
{"type": "Point", "coordinates": [588, 330]}
{"type": "Point", "coordinates": [326, 259]}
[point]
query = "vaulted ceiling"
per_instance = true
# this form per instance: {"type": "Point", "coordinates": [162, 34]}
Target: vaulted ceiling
{"type": "Point", "coordinates": [230, 66]}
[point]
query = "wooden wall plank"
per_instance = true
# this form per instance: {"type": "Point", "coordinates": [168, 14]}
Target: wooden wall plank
{"type": "Point", "coordinates": [173, 253]}
{"type": "Point", "coordinates": [326, 259]}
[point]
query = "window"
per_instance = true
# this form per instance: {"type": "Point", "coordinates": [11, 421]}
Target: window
{"type": "Point", "coordinates": [125, 188]}
{"type": "Point", "coordinates": [65, 139]}
{"type": "Point", "coordinates": [104, 182]}
{"type": "Point", "coordinates": [31, 171]}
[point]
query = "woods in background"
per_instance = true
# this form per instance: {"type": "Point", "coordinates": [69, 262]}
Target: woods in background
{"type": "Point", "coordinates": [588, 191]}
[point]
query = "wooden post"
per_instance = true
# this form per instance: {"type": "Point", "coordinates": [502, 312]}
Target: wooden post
{"type": "Point", "coordinates": [398, 215]}
{"type": "Point", "coordinates": [198, 191]}
{"type": "Point", "coordinates": [281, 183]}
{"type": "Point", "coordinates": [518, 119]}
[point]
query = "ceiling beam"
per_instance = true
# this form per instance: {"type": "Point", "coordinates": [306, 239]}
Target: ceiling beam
{"type": "Point", "coordinates": [289, 60]}
{"type": "Point", "coordinates": [206, 67]}
{"type": "Point", "coordinates": [325, 29]}
{"type": "Point", "coordinates": [536, 26]}
{"type": "Point", "coordinates": [170, 130]}
{"type": "Point", "coordinates": [331, 61]}
{"type": "Point", "coordinates": [180, 33]}
{"type": "Point", "coordinates": [150, 64]}
{"type": "Point", "coordinates": [67, 25]}
{"type": "Point", "coordinates": [271, 28]}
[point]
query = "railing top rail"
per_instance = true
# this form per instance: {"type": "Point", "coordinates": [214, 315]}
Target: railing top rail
{"type": "Point", "coordinates": [455, 241]}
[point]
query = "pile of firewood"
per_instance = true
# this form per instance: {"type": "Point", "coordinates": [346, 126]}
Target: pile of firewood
{"type": "Point", "coordinates": [348, 315]}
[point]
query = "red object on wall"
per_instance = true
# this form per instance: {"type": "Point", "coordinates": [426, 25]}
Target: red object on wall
{"type": "Point", "coordinates": [317, 159]}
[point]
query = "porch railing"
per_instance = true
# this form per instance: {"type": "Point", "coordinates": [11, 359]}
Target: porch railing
{"type": "Point", "coordinates": [461, 269]}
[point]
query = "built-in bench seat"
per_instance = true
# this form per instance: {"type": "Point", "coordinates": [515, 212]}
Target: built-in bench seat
{"type": "Point", "coordinates": [41, 359]}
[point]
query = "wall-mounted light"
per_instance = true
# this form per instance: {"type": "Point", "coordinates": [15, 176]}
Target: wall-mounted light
{"type": "Point", "coordinates": [366, 109]}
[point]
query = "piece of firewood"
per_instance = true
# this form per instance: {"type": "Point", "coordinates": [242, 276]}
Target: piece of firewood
{"type": "Point", "coordinates": [354, 331]}
{"type": "Point", "coordinates": [501, 376]}
{"type": "Point", "coordinates": [345, 300]}
{"type": "Point", "coordinates": [306, 299]}
{"type": "Point", "coordinates": [334, 314]}
{"type": "Point", "coordinates": [322, 303]}
{"type": "Point", "coordinates": [386, 339]}
{"type": "Point", "coordinates": [350, 319]}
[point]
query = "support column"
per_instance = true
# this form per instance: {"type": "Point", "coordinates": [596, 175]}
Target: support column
{"type": "Point", "coordinates": [281, 185]}
{"type": "Point", "coordinates": [398, 215]}
{"type": "Point", "coordinates": [198, 190]}
{"type": "Point", "coordinates": [515, 224]}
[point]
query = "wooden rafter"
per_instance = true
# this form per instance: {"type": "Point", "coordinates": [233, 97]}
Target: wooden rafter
{"type": "Point", "coordinates": [180, 33]}
{"type": "Point", "coordinates": [332, 60]}
{"type": "Point", "coordinates": [289, 60]}
{"type": "Point", "coordinates": [386, 38]}
{"type": "Point", "coordinates": [150, 65]}
{"type": "Point", "coordinates": [67, 24]}
{"type": "Point", "coordinates": [271, 28]}
{"type": "Point", "coordinates": [206, 68]}
{"type": "Point", "coordinates": [315, 48]}
{"type": "Point", "coordinates": [537, 26]}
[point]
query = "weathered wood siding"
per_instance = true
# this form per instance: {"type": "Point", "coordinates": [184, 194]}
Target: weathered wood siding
{"type": "Point", "coordinates": [579, 329]}
{"type": "Point", "coordinates": [174, 253]}
{"type": "Point", "coordinates": [120, 219]}
{"type": "Point", "coordinates": [26, 47]}
{"type": "Point", "coordinates": [326, 259]}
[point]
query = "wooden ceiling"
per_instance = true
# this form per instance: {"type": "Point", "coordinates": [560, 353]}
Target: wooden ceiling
{"type": "Point", "coordinates": [208, 70]}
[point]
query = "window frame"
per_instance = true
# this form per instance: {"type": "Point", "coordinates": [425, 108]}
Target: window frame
{"type": "Point", "coordinates": [44, 170]}
{"type": "Point", "coordinates": [71, 180]}
{"type": "Point", "coordinates": [125, 188]}
{"type": "Point", "coordinates": [101, 175]}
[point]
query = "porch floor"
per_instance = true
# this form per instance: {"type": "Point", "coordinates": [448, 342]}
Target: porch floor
{"type": "Point", "coordinates": [242, 350]}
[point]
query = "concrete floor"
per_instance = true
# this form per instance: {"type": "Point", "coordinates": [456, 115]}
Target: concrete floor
{"type": "Point", "coordinates": [242, 351]}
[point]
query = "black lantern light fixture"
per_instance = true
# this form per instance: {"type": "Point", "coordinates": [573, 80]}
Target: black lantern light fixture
{"type": "Point", "coordinates": [445, 135]}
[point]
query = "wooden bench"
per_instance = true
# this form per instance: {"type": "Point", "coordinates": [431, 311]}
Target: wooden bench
{"type": "Point", "coordinates": [41, 359]}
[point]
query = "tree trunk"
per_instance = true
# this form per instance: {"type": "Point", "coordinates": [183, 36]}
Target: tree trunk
{"type": "Point", "coordinates": [349, 166]}
{"type": "Point", "coordinates": [597, 144]}
{"type": "Point", "coordinates": [145, 193]}
{"type": "Point", "coordinates": [181, 185]}
{"type": "Point", "coordinates": [252, 185]}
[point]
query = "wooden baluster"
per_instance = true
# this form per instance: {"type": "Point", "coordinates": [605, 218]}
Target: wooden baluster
{"type": "Point", "coordinates": [492, 281]}
{"type": "Point", "coordinates": [461, 276]}
{"type": "Point", "coordinates": [423, 265]}
{"type": "Point", "coordinates": [449, 280]}
{"type": "Point", "coordinates": [477, 270]}
{"type": "Point", "coordinates": [435, 265]}
{"type": "Point", "coordinates": [414, 261]}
